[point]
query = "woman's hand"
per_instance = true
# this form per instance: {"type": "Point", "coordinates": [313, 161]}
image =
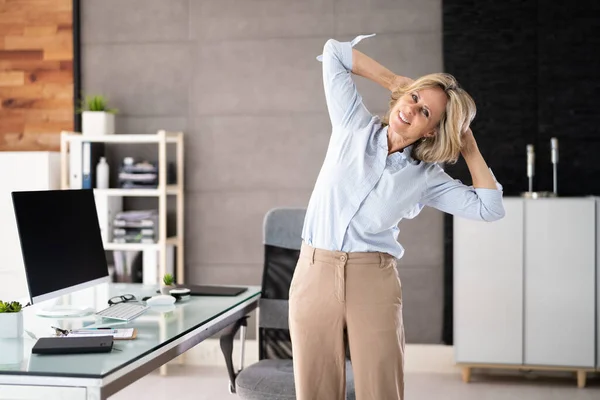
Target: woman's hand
{"type": "Point", "coordinates": [480, 173]}
{"type": "Point", "coordinates": [469, 144]}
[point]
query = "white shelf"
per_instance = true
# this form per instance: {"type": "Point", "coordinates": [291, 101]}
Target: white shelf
{"type": "Point", "coordinates": [172, 241]}
{"type": "Point", "coordinates": [171, 190]}
{"type": "Point", "coordinates": [125, 138]}
{"type": "Point", "coordinates": [161, 138]}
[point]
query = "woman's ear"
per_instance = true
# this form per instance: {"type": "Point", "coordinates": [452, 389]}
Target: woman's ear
{"type": "Point", "coordinates": [431, 133]}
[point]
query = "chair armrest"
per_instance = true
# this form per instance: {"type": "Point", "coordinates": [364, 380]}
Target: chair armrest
{"type": "Point", "coordinates": [226, 342]}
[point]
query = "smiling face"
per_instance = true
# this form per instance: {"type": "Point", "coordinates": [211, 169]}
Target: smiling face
{"type": "Point", "coordinates": [417, 113]}
{"type": "Point", "coordinates": [431, 113]}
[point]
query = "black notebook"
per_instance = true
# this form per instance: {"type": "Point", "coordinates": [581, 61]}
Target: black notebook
{"type": "Point", "coordinates": [73, 345]}
{"type": "Point", "coordinates": [214, 290]}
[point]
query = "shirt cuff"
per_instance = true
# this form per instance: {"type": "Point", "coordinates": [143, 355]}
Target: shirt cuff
{"type": "Point", "coordinates": [352, 43]}
{"type": "Point", "coordinates": [491, 200]}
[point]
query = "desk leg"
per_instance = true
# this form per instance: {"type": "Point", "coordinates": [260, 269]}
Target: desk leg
{"type": "Point", "coordinates": [162, 327]}
{"type": "Point", "coordinates": [180, 327]}
{"type": "Point", "coordinates": [243, 346]}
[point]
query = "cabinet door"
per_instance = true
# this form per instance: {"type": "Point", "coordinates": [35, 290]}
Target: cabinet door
{"type": "Point", "coordinates": [560, 282]}
{"type": "Point", "coordinates": [488, 288]}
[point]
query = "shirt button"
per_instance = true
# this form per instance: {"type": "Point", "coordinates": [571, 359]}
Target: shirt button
{"type": "Point", "coordinates": [343, 258]}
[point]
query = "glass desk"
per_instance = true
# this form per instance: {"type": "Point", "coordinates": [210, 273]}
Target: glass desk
{"type": "Point", "coordinates": [162, 335]}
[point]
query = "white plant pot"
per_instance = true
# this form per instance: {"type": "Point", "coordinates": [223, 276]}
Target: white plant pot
{"type": "Point", "coordinates": [164, 289]}
{"type": "Point", "coordinates": [11, 352]}
{"type": "Point", "coordinates": [11, 325]}
{"type": "Point", "coordinates": [97, 123]}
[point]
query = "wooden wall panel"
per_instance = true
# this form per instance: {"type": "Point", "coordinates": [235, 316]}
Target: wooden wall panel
{"type": "Point", "coordinates": [36, 73]}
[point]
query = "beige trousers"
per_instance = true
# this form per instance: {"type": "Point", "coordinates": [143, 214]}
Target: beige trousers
{"type": "Point", "coordinates": [361, 292]}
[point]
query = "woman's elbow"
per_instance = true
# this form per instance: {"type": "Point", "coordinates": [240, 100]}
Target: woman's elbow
{"type": "Point", "coordinates": [331, 46]}
{"type": "Point", "coordinates": [492, 214]}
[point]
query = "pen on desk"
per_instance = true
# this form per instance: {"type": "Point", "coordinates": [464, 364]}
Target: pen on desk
{"type": "Point", "coordinates": [62, 331]}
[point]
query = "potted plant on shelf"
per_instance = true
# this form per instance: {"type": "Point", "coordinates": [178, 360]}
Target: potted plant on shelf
{"type": "Point", "coordinates": [168, 284]}
{"type": "Point", "coordinates": [11, 320]}
{"type": "Point", "coordinates": [97, 119]}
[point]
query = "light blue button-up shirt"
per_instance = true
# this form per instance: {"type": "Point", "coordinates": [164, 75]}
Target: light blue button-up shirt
{"type": "Point", "coordinates": [361, 194]}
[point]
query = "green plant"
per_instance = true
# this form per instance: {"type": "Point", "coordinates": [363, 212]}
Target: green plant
{"type": "Point", "coordinates": [12, 307]}
{"type": "Point", "coordinates": [168, 279]}
{"type": "Point", "coordinates": [95, 103]}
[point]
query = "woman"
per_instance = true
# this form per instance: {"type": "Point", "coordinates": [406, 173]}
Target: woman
{"type": "Point", "coordinates": [376, 172]}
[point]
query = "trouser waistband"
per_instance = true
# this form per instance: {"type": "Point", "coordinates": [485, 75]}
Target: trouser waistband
{"type": "Point", "coordinates": [332, 256]}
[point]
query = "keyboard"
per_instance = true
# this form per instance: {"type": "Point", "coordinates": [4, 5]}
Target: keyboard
{"type": "Point", "coordinates": [123, 311]}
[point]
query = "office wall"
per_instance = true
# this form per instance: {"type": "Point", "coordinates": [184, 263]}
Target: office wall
{"type": "Point", "coordinates": [36, 74]}
{"type": "Point", "coordinates": [241, 79]}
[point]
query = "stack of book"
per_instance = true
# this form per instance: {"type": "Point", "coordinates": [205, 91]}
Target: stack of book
{"type": "Point", "coordinates": [138, 175]}
{"type": "Point", "coordinates": [140, 226]}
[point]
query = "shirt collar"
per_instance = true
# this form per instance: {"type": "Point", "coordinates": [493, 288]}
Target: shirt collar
{"type": "Point", "coordinates": [397, 158]}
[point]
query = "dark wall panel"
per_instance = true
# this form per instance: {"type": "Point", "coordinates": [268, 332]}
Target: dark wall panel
{"type": "Point", "coordinates": [491, 47]}
{"type": "Point", "coordinates": [569, 94]}
{"type": "Point", "coordinates": [532, 68]}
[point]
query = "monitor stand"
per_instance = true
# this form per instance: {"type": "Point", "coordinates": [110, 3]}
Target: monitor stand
{"type": "Point", "coordinates": [65, 311]}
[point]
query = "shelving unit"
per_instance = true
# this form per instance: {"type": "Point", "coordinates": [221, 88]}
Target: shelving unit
{"type": "Point", "coordinates": [162, 138]}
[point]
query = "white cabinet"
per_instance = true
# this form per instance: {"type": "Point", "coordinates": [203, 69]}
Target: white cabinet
{"type": "Point", "coordinates": [526, 288]}
{"type": "Point", "coordinates": [488, 282]}
{"type": "Point", "coordinates": [560, 282]}
{"type": "Point", "coordinates": [22, 170]}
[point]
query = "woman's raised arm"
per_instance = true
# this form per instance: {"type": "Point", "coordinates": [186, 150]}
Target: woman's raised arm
{"type": "Point", "coordinates": [367, 67]}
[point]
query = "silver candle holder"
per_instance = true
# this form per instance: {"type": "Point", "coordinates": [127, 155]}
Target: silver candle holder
{"type": "Point", "coordinates": [530, 194]}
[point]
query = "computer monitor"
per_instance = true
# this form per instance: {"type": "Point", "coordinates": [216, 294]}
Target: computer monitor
{"type": "Point", "coordinates": [60, 241]}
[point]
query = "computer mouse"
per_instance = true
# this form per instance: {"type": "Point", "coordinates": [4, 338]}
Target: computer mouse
{"type": "Point", "coordinates": [180, 295]}
{"type": "Point", "coordinates": [160, 300]}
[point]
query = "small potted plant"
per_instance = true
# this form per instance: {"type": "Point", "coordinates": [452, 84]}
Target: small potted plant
{"type": "Point", "coordinates": [97, 119]}
{"type": "Point", "coordinates": [11, 320]}
{"type": "Point", "coordinates": [168, 284]}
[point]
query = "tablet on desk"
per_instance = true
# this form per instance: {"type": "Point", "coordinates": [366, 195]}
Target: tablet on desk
{"type": "Point", "coordinates": [214, 290]}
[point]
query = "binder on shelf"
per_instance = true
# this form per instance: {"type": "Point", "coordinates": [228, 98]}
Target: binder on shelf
{"type": "Point", "coordinates": [91, 156]}
{"type": "Point", "coordinates": [83, 159]}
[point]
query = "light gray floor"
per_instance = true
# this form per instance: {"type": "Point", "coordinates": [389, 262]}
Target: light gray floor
{"type": "Point", "coordinates": [205, 383]}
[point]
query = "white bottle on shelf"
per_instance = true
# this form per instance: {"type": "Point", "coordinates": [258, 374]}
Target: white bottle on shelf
{"type": "Point", "coordinates": [102, 174]}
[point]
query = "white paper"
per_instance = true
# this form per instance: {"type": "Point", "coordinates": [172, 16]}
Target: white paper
{"type": "Point", "coordinates": [118, 333]}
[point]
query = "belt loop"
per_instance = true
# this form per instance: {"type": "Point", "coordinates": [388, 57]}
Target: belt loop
{"type": "Point", "coordinates": [381, 260]}
{"type": "Point", "coordinates": [312, 255]}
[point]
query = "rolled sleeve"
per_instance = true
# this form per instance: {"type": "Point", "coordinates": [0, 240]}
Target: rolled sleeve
{"type": "Point", "coordinates": [337, 52]}
{"type": "Point", "coordinates": [451, 196]}
{"type": "Point", "coordinates": [344, 103]}
{"type": "Point", "coordinates": [492, 207]}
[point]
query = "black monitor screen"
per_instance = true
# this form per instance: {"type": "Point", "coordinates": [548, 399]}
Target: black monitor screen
{"type": "Point", "coordinates": [60, 240]}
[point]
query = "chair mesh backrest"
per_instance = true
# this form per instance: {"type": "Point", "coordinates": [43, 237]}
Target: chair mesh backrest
{"type": "Point", "coordinates": [282, 241]}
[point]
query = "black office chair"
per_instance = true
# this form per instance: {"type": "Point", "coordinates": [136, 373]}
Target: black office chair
{"type": "Point", "coordinates": [272, 377]}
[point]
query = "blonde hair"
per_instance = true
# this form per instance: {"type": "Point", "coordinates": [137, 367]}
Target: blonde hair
{"type": "Point", "coordinates": [460, 111]}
